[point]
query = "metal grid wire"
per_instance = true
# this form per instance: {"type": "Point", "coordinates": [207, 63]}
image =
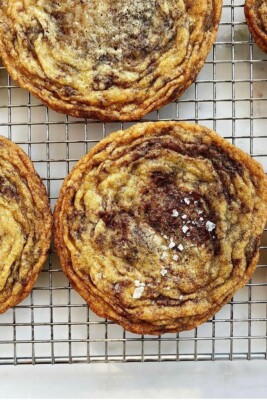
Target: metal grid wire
{"type": "Point", "coordinates": [54, 325]}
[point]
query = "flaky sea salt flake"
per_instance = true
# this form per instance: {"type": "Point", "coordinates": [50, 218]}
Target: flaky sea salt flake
{"type": "Point", "coordinates": [164, 271]}
{"type": "Point", "coordinates": [180, 247]}
{"type": "Point", "coordinates": [172, 244]}
{"type": "Point", "coordinates": [137, 294]}
{"type": "Point", "coordinates": [185, 228]}
{"type": "Point", "coordinates": [139, 284]}
{"type": "Point", "coordinates": [164, 255]}
{"type": "Point", "coordinates": [210, 226]}
{"type": "Point", "coordinates": [175, 213]}
{"type": "Point", "coordinates": [186, 200]}
{"type": "Point", "coordinates": [117, 287]}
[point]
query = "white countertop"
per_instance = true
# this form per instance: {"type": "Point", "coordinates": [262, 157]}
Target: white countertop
{"type": "Point", "coordinates": [244, 379]}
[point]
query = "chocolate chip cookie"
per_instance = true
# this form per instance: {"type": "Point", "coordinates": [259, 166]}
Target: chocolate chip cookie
{"type": "Point", "coordinates": [256, 15]}
{"type": "Point", "coordinates": [25, 225]}
{"type": "Point", "coordinates": [107, 59]}
{"type": "Point", "coordinates": [158, 226]}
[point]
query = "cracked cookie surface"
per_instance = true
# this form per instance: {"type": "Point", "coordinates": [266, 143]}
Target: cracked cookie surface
{"type": "Point", "coordinates": [256, 16]}
{"type": "Point", "coordinates": [112, 60]}
{"type": "Point", "coordinates": [25, 225]}
{"type": "Point", "coordinates": [158, 226]}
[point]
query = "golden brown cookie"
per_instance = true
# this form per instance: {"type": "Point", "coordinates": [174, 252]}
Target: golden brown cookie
{"type": "Point", "coordinates": [158, 226]}
{"type": "Point", "coordinates": [256, 15]}
{"type": "Point", "coordinates": [25, 225]}
{"type": "Point", "coordinates": [107, 59]}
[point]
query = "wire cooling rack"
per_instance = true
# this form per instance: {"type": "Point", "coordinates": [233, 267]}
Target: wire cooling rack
{"type": "Point", "coordinates": [54, 325]}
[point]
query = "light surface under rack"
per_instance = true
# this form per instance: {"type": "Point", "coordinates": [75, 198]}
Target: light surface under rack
{"type": "Point", "coordinates": [54, 325]}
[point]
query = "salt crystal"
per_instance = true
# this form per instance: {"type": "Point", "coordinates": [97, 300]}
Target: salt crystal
{"type": "Point", "coordinates": [164, 255]}
{"type": "Point", "coordinates": [175, 257]}
{"type": "Point", "coordinates": [199, 212]}
{"type": "Point", "coordinates": [181, 297]}
{"type": "Point", "coordinates": [164, 247]}
{"type": "Point", "coordinates": [165, 237]}
{"type": "Point", "coordinates": [172, 244]}
{"type": "Point", "coordinates": [164, 271]}
{"type": "Point", "coordinates": [180, 247]}
{"type": "Point", "coordinates": [210, 226]}
{"type": "Point", "coordinates": [185, 228]}
{"type": "Point", "coordinates": [99, 275]}
{"type": "Point", "coordinates": [117, 287]}
{"type": "Point", "coordinates": [138, 292]}
{"type": "Point", "coordinates": [184, 216]}
{"type": "Point", "coordinates": [186, 200]}
{"type": "Point", "coordinates": [139, 284]}
{"type": "Point", "coordinates": [175, 213]}
{"type": "Point", "coordinates": [201, 219]}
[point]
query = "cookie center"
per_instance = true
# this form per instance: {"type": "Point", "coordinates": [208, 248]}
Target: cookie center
{"type": "Point", "coordinates": [111, 30]}
{"type": "Point", "coordinates": [170, 209]}
{"type": "Point", "coordinates": [107, 42]}
{"type": "Point", "coordinates": [155, 221]}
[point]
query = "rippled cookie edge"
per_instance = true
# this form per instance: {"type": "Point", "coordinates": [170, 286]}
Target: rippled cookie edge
{"type": "Point", "coordinates": [22, 287]}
